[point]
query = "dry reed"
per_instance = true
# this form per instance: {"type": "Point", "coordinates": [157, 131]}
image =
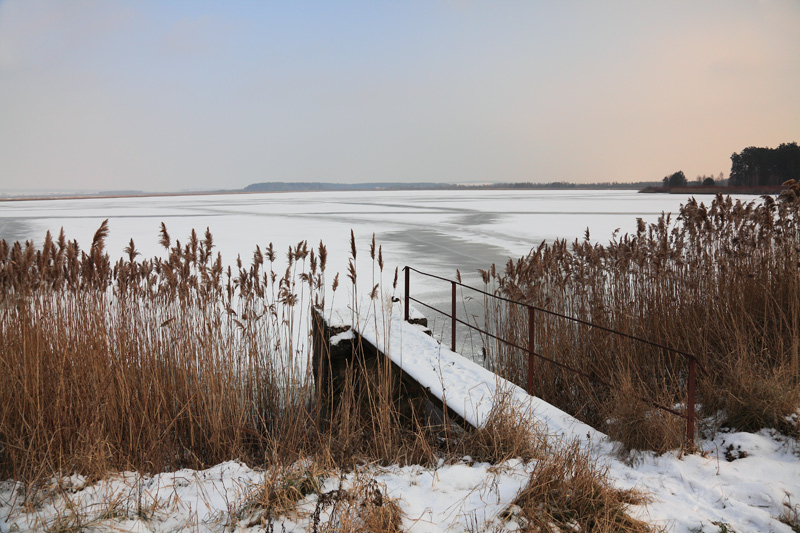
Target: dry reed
{"type": "Point", "coordinates": [165, 363]}
{"type": "Point", "coordinates": [569, 492]}
{"type": "Point", "coordinates": [720, 282]}
{"type": "Point", "coordinates": [155, 364]}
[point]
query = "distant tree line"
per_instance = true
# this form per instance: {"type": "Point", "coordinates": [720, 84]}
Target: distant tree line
{"type": "Point", "coordinates": [753, 167]}
{"type": "Point", "coordinates": [765, 166]}
{"type": "Point", "coordinates": [563, 185]}
{"type": "Point", "coordinates": [282, 186]}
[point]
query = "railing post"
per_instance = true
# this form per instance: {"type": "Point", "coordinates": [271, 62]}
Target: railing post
{"type": "Point", "coordinates": [530, 349]}
{"type": "Point", "coordinates": [690, 402]}
{"type": "Point", "coordinates": [453, 316]}
{"type": "Point", "coordinates": [408, 272]}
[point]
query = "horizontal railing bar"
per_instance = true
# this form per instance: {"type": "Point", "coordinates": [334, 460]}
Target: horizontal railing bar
{"type": "Point", "coordinates": [566, 317]}
{"type": "Point", "coordinates": [542, 357]}
{"type": "Point", "coordinates": [428, 306]}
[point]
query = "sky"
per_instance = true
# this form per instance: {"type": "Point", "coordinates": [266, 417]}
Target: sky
{"type": "Point", "coordinates": [170, 96]}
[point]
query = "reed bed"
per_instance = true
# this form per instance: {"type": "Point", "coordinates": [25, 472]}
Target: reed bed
{"type": "Point", "coordinates": [165, 363]}
{"type": "Point", "coordinates": [720, 282]}
{"type": "Point", "coordinates": [148, 364]}
{"type": "Point", "coordinates": [156, 364]}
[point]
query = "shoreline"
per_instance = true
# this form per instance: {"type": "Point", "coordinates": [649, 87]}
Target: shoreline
{"type": "Point", "coordinates": [756, 191]}
{"type": "Point", "coordinates": [113, 196]}
{"type": "Point", "coordinates": [697, 190]}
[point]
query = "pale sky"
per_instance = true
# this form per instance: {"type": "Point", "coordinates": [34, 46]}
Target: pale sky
{"type": "Point", "coordinates": [163, 96]}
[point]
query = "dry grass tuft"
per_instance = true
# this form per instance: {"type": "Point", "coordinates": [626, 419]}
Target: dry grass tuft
{"type": "Point", "coordinates": [568, 492]}
{"type": "Point", "coordinates": [373, 422]}
{"type": "Point", "coordinates": [506, 434]}
{"type": "Point", "coordinates": [174, 362]}
{"type": "Point", "coordinates": [639, 425]}
{"type": "Point", "coordinates": [364, 507]}
{"type": "Point", "coordinates": [758, 396]}
{"type": "Point", "coordinates": [283, 490]}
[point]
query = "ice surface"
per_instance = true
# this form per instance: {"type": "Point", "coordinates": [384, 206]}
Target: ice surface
{"type": "Point", "coordinates": [436, 231]}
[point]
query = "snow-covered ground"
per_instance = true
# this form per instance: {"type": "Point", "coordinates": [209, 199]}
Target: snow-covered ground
{"type": "Point", "coordinates": [706, 491]}
{"type": "Point", "coordinates": [225, 497]}
{"type": "Point", "coordinates": [700, 492]}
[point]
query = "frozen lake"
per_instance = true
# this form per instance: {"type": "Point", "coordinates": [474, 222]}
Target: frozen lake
{"type": "Point", "coordinates": [433, 231]}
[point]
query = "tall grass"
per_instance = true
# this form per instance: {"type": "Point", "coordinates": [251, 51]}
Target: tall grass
{"type": "Point", "coordinates": [164, 363]}
{"type": "Point", "coordinates": [719, 281]}
{"type": "Point", "coordinates": [155, 364]}
{"type": "Point", "coordinates": [149, 364]}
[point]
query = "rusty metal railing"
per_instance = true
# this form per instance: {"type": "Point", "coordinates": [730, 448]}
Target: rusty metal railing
{"type": "Point", "coordinates": [691, 360]}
